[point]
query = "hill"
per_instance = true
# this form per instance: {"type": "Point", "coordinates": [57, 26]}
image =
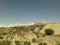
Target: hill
{"type": "Point", "coordinates": [29, 35]}
{"type": "Point", "coordinates": [54, 26]}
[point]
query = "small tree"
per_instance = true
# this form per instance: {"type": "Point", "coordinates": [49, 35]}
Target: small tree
{"type": "Point", "coordinates": [49, 31]}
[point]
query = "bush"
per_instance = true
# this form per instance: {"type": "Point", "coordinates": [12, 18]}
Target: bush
{"type": "Point", "coordinates": [49, 31]}
{"type": "Point", "coordinates": [27, 43]}
{"type": "Point", "coordinates": [40, 43]}
{"type": "Point", "coordinates": [5, 42]}
{"type": "Point", "coordinates": [34, 40]}
{"type": "Point", "coordinates": [4, 33]}
{"type": "Point", "coordinates": [17, 42]}
{"type": "Point", "coordinates": [37, 36]}
{"type": "Point", "coordinates": [58, 43]}
{"type": "Point", "coordinates": [1, 37]}
{"type": "Point", "coordinates": [44, 43]}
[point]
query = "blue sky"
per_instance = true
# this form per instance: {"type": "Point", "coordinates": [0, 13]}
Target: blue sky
{"type": "Point", "coordinates": [29, 11]}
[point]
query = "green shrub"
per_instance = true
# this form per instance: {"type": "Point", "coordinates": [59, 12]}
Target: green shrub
{"type": "Point", "coordinates": [58, 43]}
{"type": "Point", "coordinates": [27, 43]}
{"type": "Point", "coordinates": [4, 33]}
{"type": "Point", "coordinates": [34, 40]}
{"type": "Point", "coordinates": [37, 36]}
{"type": "Point", "coordinates": [49, 31]}
{"type": "Point", "coordinates": [17, 42]}
{"type": "Point", "coordinates": [1, 37]}
{"type": "Point", "coordinates": [44, 43]}
{"type": "Point", "coordinates": [40, 43]}
{"type": "Point", "coordinates": [32, 28]}
{"type": "Point", "coordinates": [5, 42]}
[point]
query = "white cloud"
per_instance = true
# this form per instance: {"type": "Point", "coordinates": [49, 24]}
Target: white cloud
{"type": "Point", "coordinates": [12, 25]}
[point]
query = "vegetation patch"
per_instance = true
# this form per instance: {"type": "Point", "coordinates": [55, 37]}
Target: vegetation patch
{"type": "Point", "coordinates": [40, 43]}
{"type": "Point", "coordinates": [1, 37]}
{"type": "Point", "coordinates": [27, 43]}
{"type": "Point", "coordinates": [19, 42]}
{"type": "Point", "coordinates": [49, 31]}
{"type": "Point", "coordinates": [34, 40]}
{"type": "Point", "coordinates": [44, 43]}
{"type": "Point", "coordinates": [5, 42]}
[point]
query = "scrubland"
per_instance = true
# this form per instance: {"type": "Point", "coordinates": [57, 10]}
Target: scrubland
{"type": "Point", "coordinates": [30, 35]}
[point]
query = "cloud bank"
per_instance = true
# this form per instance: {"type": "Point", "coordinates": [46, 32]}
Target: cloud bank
{"type": "Point", "coordinates": [12, 25]}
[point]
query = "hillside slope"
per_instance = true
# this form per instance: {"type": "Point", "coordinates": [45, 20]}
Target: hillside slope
{"type": "Point", "coordinates": [55, 27]}
{"type": "Point", "coordinates": [28, 35]}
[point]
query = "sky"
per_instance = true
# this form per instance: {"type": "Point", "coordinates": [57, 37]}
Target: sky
{"type": "Point", "coordinates": [29, 11]}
